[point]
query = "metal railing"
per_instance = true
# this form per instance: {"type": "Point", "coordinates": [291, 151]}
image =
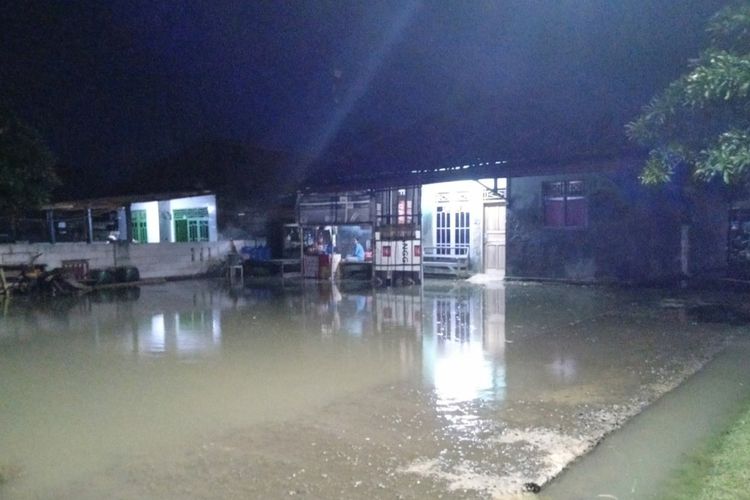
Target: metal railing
{"type": "Point", "coordinates": [449, 249]}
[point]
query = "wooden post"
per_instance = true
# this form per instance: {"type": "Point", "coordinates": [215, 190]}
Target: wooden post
{"type": "Point", "coordinates": [51, 224]}
{"type": "Point", "coordinates": [3, 282]}
{"type": "Point", "coordinates": [128, 224]}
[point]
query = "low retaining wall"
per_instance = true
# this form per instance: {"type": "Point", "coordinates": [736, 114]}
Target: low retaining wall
{"type": "Point", "coordinates": [153, 260]}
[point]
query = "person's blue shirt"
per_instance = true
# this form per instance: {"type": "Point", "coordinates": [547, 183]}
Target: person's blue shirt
{"type": "Point", "coordinates": [359, 253]}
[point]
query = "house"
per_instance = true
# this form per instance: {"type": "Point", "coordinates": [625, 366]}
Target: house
{"type": "Point", "coordinates": [587, 220]}
{"type": "Point", "coordinates": [154, 218]}
{"type": "Point", "coordinates": [163, 235]}
{"type": "Point", "coordinates": [451, 228]}
{"type": "Point", "coordinates": [176, 220]}
{"type": "Point", "coordinates": [607, 226]}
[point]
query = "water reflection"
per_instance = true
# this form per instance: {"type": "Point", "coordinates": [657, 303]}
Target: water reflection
{"type": "Point", "coordinates": [182, 325]}
{"type": "Point", "coordinates": [452, 340]}
{"type": "Point", "coordinates": [455, 337]}
{"type": "Point", "coordinates": [399, 310]}
{"type": "Point", "coordinates": [464, 356]}
{"type": "Point", "coordinates": [563, 368]}
{"type": "Point", "coordinates": [184, 333]}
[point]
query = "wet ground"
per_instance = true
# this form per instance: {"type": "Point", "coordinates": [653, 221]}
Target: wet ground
{"type": "Point", "coordinates": [190, 390]}
{"type": "Point", "coordinates": [644, 460]}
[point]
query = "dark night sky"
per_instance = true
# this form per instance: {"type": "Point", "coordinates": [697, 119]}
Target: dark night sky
{"type": "Point", "coordinates": [114, 84]}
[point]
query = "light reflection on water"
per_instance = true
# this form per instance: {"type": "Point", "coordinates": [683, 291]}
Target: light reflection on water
{"type": "Point", "coordinates": [256, 336]}
{"type": "Point", "coordinates": [88, 382]}
{"type": "Point", "coordinates": [187, 333]}
{"type": "Point", "coordinates": [464, 355]}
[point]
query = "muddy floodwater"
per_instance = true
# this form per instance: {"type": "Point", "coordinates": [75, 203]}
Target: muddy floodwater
{"type": "Point", "coordinates": [192, 390]}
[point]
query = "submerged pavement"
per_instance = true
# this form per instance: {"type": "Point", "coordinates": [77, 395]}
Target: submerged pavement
{"type": "Point", "coordinates": [453, 391]}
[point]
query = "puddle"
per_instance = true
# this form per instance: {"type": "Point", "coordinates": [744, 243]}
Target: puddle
{"type": "Point", "coordinates": [188, 390]}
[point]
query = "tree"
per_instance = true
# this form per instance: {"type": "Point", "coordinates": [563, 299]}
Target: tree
{"type": "Point", "coordinates": [27, 174]}
{"type": "Point", "coordinates": [702, 119]}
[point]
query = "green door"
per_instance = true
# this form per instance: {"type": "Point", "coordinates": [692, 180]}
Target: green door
{"type": "Point", "coordinates": [181, 230]}
{"type": "Point", "coordinates": [139, 226]}
{"type": "Point", "coordinates": [191, 224]}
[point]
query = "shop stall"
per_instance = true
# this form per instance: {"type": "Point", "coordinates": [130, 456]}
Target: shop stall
{"type": "Point", "coordinates": [371, 234]}
{"type": "Point", "coordinates": [398, 243]}
{"type": "Point", "coordinates": [336, 231]}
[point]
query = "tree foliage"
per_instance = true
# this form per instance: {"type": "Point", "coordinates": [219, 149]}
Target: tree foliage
{"type": "Point", "coordinates": [27, 174]}
{"type": "Point", "coordinates": [703, 118]}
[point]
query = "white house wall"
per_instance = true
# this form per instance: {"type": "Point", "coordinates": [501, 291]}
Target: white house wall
{"type": "Point", "coordinates": [472, 203]}
{"type": "Point", "coordinates": [165, 222]}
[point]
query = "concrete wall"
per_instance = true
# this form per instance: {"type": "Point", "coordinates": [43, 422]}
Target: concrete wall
{"type": "Point", "coordinates": [633, 232]}
{"type": "Point", "coordinates": [156, 260]}
{"type": "Point", "coordinates": [165, 227]}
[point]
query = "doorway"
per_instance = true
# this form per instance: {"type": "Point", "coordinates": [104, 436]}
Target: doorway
{"type": "Point", "coordinates": [494, 238]}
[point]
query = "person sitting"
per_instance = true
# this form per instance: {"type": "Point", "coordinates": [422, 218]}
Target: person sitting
{"type": "Point", "coordinates": [358, 253]}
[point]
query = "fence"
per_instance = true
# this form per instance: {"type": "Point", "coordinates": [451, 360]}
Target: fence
{"type": "Point", "coordinates": [68, 226]}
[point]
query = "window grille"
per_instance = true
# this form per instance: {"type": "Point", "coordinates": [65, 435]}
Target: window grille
{"type": "Point", "coordinates": [442, 232]}
{"type": "Point", "coordinates": [565, 204]}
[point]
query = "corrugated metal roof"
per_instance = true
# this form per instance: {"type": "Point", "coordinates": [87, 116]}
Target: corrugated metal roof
{"type": "Point", "coordinates": [115, 202]}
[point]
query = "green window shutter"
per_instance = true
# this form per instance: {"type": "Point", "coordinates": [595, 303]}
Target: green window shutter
{"type": "Point", "coordinates": [203, 230]}
{"type": "Point", "coordinates": [192, 230]}
{"type": "Point", "coordinates": [139, 226]}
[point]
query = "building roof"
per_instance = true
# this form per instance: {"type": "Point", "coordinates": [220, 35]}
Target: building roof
{"type": "Point", "coordinates": [115, 202]}
{"type": "Point", "coordinates": [337, 178]}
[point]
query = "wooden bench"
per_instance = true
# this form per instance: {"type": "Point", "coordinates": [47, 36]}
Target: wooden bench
{"type": "Point", "coordinates": [286, 268]}
{"type": "Point", "coordinates": [355, 270]}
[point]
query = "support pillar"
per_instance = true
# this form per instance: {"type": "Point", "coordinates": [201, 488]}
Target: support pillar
{"type": "Point", "coordinates": [51, 225]}
{"type": "Point", "coordinates": [89, 227]}
{"type": "Point", "coordinates": [128, 224]}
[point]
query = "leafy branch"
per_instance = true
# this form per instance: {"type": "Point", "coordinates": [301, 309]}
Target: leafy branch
{"type": "Point", "coordinates": [703, 118]}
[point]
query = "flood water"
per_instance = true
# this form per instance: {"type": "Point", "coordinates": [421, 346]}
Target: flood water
{"type": "Point", "coordinates": [193, 390]}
